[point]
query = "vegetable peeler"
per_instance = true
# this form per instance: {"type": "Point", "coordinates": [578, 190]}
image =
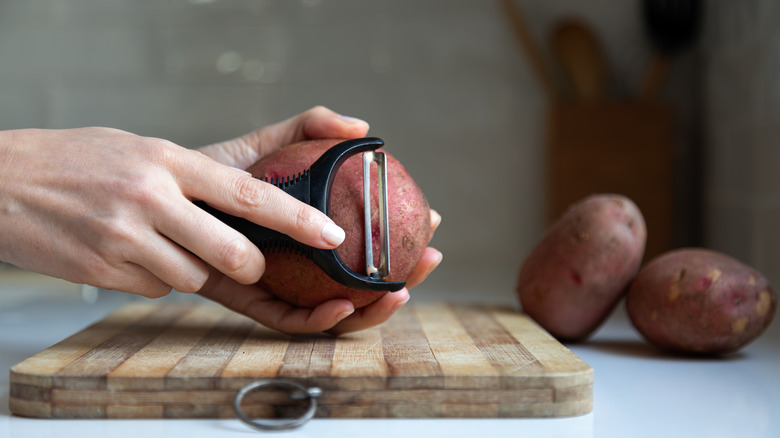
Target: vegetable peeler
{"type": "Point", "coordinates": [312, 186]}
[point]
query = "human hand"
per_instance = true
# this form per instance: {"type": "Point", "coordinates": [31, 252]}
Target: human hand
{"type": "Point", "coordinates": [336, 316]}
{"type": "Point", "coordinates": [112, 209]}
{"type": "Point", "coordinates": [384, 308]}
{"type": "Point", "coordinates": [316, 123]}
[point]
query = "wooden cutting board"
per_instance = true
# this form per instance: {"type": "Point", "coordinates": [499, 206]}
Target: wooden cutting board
{"type": "Point", "coordinates": [165, 360]}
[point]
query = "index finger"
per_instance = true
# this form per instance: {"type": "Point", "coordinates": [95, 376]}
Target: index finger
{"type": "Point", "coordinates": [265, 308]}
{"type": "Point", "coordinates": [239, 194]}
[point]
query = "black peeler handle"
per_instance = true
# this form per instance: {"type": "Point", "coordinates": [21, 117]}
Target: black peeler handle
{"type": "Point", "coordinates": [313, 187]}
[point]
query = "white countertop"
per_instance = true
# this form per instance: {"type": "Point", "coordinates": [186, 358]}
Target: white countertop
{"type": "Point", "coordinates": [638, 390]}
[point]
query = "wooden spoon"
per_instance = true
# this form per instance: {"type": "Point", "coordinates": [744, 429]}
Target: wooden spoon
{"type": "Point", "coordinates": [532, 50]}
{"type": "Point", "coordinates": [579, 53]}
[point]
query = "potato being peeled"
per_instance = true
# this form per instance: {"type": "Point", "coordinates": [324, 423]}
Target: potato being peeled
{"type": "Point", "coordinates": [695, 300]}
{"type": "Point", "coordinates": [577, 273]}
{"type": "Point", "coordinates": [296, 279]}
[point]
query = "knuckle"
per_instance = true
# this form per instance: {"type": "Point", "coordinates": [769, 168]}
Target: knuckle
{"type": "Point", "coordinates": [250, 193]}
{"type": "Point", "coordinates": [178, 153]}
{"type": "Point", "coordinates": [143, 189]}
{"type": "Point", "coordinates": [233, 255]}
{"type": "Point", "coordinates": [303, 218]}
{"type": "Point", "coordinates": [93, 270]}
{"type": "Point", "coordinates": [144, 194]}
{"type": "Point", "coordinates": [167, 156]}
{"type": "Point", "coordinates": [159, 151]}
{"type": "Point", "coordinates": [116, 234]}
{"type": "Point", "coordinates": [165, 150]}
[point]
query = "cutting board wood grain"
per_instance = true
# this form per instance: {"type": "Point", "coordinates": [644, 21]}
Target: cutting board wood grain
{"type": "Point", "coordinates": [174, 360]}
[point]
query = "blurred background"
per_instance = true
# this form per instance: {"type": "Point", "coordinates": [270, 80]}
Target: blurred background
{"type": "Point", "coordinates": [454, 90]}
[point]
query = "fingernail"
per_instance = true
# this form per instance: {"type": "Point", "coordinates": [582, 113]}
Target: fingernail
{"type": "Point", "coordinates": [439, 259]}
{"type": "Point", "coordinates": [435, 264]}
{"type": "Point", "coordinates": [398, 306]}
{"type": "Point", "coordinates": [333, 234]}
{"type": "Point", "coordinates": [344, 314]}
{"type": "Point", "coordinates": [435, 218]}
{"type": "Point", "coordinates": [349, 119]}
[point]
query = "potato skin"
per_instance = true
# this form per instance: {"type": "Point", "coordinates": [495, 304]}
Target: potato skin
{"type": "Point", "coordinates": [577, 273]}
{"type": "Point", "coordinates": [694, 300]}
{"type": "Point", "coordinates": [296, 279]}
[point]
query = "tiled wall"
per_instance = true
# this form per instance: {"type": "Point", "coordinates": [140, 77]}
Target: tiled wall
{"type": "Point", "coordinates": [741, 55]}
{"type": "Point", "coordinates": [442, 81]}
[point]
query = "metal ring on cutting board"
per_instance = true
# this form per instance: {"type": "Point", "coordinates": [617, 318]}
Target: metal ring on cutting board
{"type": "Point", "coordinates": [297, 392]}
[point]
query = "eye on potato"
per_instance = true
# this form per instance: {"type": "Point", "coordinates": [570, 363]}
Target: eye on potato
{"type": "Point", "coordinates": [694, 300]}
{"type": "Point", "coordinates": [577, 273]}
{"type": "Point", "coordinates": [296, 279]}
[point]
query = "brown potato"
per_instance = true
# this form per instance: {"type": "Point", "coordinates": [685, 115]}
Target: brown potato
{"type": "Point", "coordinates": [694, 300]}
{"type": "Point", "coordinates": [576, 275]}
{"type": "Point", "coordinates": [297, 280]}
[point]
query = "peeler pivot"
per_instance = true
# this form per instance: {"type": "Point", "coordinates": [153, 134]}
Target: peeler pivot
{"type": "Point", "coordinates": [313, 187]}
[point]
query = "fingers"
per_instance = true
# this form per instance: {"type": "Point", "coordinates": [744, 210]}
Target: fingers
{"type": "Point", "coordinates": [435, 221]}
{"type": "Point", "coordinates": [300, 320]}
{"type": "Point", "coordinates": [133, 278]}
{"type": "Point", "coordinates": [237, 193]}
{"type": "Point", "coordinates": [430, 259]}
{"type": "Point", "coordinates": [319, 122]}
{"type": "Point", "coordinates": [172, 265]}
{"type": "Point", "coordinates": [151, 268]}
{"type": "Point", "coordinates": [315, 123]}
{"type": "Point", "coordinates": [241, 195]}
{"type": "Point", "coordinates": [268, 205]}
{"type": "Point", "coordinates": [336, 316]}
{"type": "Point", "coordinates": [213, 242]}
{"type": "Point", "coordinates": [374, 314]}
{"type": "Point", "coordinates": [263, 307]}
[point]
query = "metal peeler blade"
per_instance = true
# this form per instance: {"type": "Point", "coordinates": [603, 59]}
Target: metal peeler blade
{"type": "Point", "coordinates": [313, 187]}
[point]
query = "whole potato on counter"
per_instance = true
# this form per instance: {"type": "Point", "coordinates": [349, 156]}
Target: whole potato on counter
{"type": "Point", "coordinates": [695, 300]}
{"type": "Point", "coordinates": [577, 273]}
{"type": "Point", "coordinates": [296, 279]}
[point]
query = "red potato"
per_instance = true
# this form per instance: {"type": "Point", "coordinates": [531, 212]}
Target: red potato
{"type": "Point", "coordinates": [694, 300]}
{"type": "Point", "coordinates": [576, 275]}
{"type": "Point", "coordinates": [296, 279]}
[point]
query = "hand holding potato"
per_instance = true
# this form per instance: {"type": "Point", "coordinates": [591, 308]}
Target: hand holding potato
{"type": "Point", "coordinates": [336, 316]}
{"type": "Point", "coordinates": [278, 300]}
{"type": "Point", "coordinates": [114, 210]}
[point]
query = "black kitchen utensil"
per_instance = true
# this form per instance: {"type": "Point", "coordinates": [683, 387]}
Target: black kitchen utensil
{"type": "Point", "coordinates": [670, 25]}
{"type": "Point", "coordinates": [312, 187]}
